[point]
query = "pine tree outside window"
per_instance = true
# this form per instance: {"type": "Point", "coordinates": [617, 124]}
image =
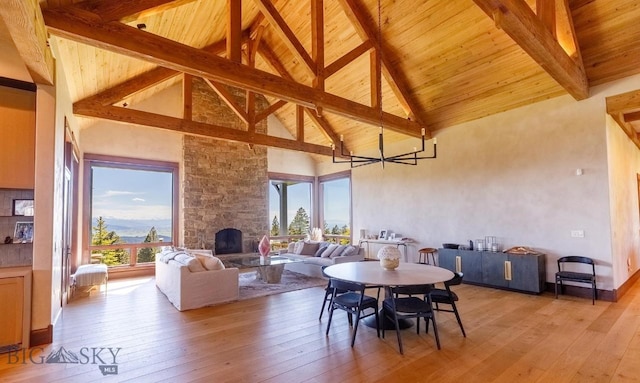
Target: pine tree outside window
{"type": "Point", "coordinates": [290, 208]}
{"type": "Point", "coordinates": [295, 208]}
{"type": "Point", "coordinates": [335, 207]}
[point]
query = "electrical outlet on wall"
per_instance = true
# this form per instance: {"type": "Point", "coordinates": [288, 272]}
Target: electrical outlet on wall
{"type": "Point", "coordinates": [577, 233]}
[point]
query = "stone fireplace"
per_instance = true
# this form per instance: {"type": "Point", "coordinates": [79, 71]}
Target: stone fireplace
{"type": "Point", "coordinates": [224, 183]}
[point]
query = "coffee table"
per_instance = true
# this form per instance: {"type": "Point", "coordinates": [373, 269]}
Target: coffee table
{"type": "Point", "coordinates": [269, 269]}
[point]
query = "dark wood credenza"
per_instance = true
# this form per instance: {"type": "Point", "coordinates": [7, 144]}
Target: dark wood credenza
{"type": "Point", "coordinates": [519, 272]}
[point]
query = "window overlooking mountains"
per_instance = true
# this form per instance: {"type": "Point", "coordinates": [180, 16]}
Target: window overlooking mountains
{"type": "Point", "coordinates": [131, 205]}
{"type": "Point", "coordinates": [291, 199]}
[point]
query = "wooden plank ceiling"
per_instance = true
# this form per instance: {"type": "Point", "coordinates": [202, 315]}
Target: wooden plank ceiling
{"type": "Point", "coordinates": [327, 67]}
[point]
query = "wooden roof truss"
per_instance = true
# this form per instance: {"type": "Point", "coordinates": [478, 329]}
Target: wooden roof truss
{"type": "Point", "coordinates": [100, 23]}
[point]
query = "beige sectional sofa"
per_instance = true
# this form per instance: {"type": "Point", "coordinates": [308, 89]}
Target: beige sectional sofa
{"type": "Point", "coordinates": [195, 278]}
{"type": "Point", "coordinates": [314, 255]}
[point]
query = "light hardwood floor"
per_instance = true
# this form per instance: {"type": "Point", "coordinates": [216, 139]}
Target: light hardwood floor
{"type": "Point", "coordinates": [511, 337]}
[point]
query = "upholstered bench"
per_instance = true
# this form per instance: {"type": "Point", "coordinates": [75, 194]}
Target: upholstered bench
{"type": "Point", "coordinates": [90, 275]}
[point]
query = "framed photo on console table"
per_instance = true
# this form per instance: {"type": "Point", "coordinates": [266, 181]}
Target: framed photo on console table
{"type": "Point", "coordinates": [23, 232]}
{"type": "Point", "coordinates": [23, 207]}
{"type": "Point", "coordinates": [383, 234]}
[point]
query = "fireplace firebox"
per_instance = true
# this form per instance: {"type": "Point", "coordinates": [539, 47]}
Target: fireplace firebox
{"type": "Point", "coordinates": [228, 241]}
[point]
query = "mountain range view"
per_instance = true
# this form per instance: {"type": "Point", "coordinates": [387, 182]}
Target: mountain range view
{"type": "Point", "coordinates": [136, 230]}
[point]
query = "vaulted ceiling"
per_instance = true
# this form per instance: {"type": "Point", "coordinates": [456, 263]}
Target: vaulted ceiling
{"type": "Point", "coordinates": [328, 66]}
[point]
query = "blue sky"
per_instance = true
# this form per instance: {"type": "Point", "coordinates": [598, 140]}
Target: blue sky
{"type": "Point", "coordinates": [131, 194]}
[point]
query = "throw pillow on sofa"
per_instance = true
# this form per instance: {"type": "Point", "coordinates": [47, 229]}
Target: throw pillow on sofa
{"type": "Point", "coordinates": [297, 247]}
{"type": "Point", "coordinates": [210, 262]}
{"type": "Point", "coordinates": [309, 248]}
{"type": "Point", "coordinates": [329, 249]}
{"type": "Point", "coordinates": [338, 251]}
{"type": "Point", "coordinates": [194, 265]}
{"type": "Point", "coordinates": [322, 246]}
{"type": "Point", "coordinates": [190, 261]}
{"type": "Point", "coordinates": [350, 250]}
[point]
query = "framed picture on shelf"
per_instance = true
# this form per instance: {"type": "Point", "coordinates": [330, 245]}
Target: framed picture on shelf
{"type": "Point", "coordinates": [23, 207]}
{"type": "Point", "coordinates": [23, 232]}
{"type": "Point", "coordinates": [383, 234]}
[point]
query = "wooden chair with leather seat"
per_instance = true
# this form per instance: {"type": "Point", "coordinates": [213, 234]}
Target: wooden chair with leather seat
{"type": "Point", "coordinates": [573, 275]}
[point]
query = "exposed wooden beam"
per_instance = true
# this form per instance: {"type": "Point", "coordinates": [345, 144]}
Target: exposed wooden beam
{"type": "Point", "coordinates": [253, 46]}
{"type": "Point", "coordinates": [396, 80]}
{"type": "Point", "coordinates": [270, 110]}
{"type": "Point", "coordinates": [566, 36]}
{"type": "Point", "coordinates": [129, 10]}
{"type": "Point", "coordinates": [300, 123]}
{"type": "Point", "coordinates": [522, 25]}
{"type": "Point", "coordinates": [271, 59]}
{"type": "Point", "coordinates": [187, 97]}
{"type": "Point", "coordinates": [133, 85]}
{"type": "Point", "coordinates": [627, 128]}
{"type": "Point", "coordinates": [546, 11]}
{"type": "Point", "coordinates": [625, 108]}
{"type": "Point", "coordinates": [347, 58]}
{"type": "Point", "coordinates": [250, 104]}
{"type": "Point", "coordinates": [75, 24]}
{"type": "Point", "coordinates": [631, 116]}
{"type": "Point", "coordinates": [625, 102]}
{"type": "Point", "coordinates": [234, 30]}
{"type": "Point", "coordinates": [286, 34]}
{"type": "Point", "coordinates": [317, 41]}
{"type": "Point", "coordinates": [325, 127]}
{"type": "Point", "coordinates": [375, 74]}
{"type": "Point", "coordinates": [143, 81]}
{"type": "Point", "coordinates": [275, 64]}
{"type": "Point", "coordinates": [228, 99]}
{"type": "Point", "coordinates": [25, 24]}
{"type": "Point", "coordinates": [132, 116]}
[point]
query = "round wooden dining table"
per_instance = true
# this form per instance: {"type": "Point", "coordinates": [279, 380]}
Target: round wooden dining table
{"type": "Point", "coordinates": [371, 273]}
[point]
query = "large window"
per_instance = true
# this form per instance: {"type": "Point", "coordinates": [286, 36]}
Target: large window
{"type": "Point", "coordinates": [290, 207]}
{"type": "Point", "coordinates": [335, 205]}
{"type": "Point", "coordinates": [130, 209]}
{"type": "Point", "coordinates": [294, 208]}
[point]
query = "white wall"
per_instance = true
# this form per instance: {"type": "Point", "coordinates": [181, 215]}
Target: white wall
{"type": "Point", "coordinates": [287, 161]}
{"type": "Point", "coordinates": [624, 160]}
{"type": "Point", "coordinates": [624, 168]}
{"type": "Point", "coordinates": [117, 139]}
{"type": "Point", "coordinates": [513, 176]}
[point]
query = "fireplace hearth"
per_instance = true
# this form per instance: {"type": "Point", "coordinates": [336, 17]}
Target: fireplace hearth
{"type": "Point", "coordinates": [228, 241]}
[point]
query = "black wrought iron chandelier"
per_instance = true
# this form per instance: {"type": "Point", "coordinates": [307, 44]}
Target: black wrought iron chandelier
{"type": "Point", "coordinates": [408, 158]}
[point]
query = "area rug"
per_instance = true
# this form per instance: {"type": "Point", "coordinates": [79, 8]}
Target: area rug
{"type": "Point", "coordinates": [251, 287]}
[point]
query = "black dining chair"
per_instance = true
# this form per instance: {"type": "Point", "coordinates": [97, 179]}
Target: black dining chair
{"type": "Point", "coordinates": [564, 274]}
{"type": "Point", "coordinates": [447, 297]}
{"type": "Point", "coordinates": [328, 292]}
{"type": "Point", "coordinates": [355, 302]}
{"type": "Point", "coordinates": [403, 303]}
